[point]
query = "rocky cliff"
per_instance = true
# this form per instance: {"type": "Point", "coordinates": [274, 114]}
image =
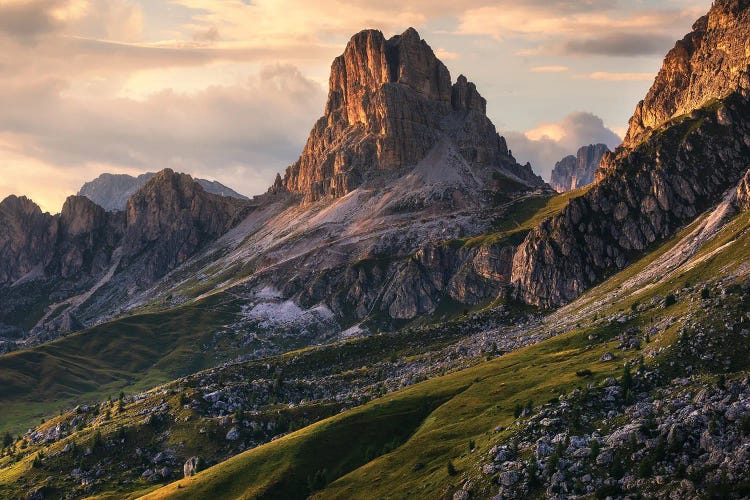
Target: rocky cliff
{"type": "Point", "coordinates": [742, 195]}
{"type": "Point", "coordinates": [87, 237]}
{"type": "Point", "coordinates": [26, 235]}
{"type": "Point", "coordinates": [171, 217]}
{"type": "Point", "coordinates": [709, 63]}
{"type": "Point", "coordinates": [35, 244]}
{"type": "Point", "coordinates": [689, 142]}
{"type": "Point", "coordinates": [647, 194]}
{"type": "Point", "coordinates": [59, 262]}
{"type": "Point", "coordinates": [389, 104]}
{"type": "Point", "coordinates": [577, 171]}
{"type": "Point", "coordinates": [112, 191]}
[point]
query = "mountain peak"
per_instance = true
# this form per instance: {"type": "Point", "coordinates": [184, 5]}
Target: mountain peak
{"type": "Point", "coordinates": [577, 170]}
{"type": "Point", "coordinates": [709, 63]}
{"type": "Point", "coordinates": [390, 102]}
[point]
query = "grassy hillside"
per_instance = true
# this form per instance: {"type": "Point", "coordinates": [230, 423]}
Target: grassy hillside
{"type": "Point", "coordinates": [489, 397]}
{"type": "Point", "coordinates": [478, 399]}
{"type": "Point", "coordinates": [130, 354]}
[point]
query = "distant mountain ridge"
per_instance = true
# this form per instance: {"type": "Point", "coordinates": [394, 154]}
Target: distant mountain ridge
{"type": "Point", "coordinates": [577, 171]}
{"type": "Point", "coordinates": [112, 191]}
{"type": "Point", "coordinates": [84, 260]}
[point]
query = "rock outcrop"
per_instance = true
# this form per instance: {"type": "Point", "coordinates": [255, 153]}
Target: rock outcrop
{"type": "Point", "coordinates": [742, 196]}
{"type": "Point", "coordinates": [35, 244]}
{"type": "Point", "coordinates": [171, 217]}
{"type": "Point", "coordinates": [63, 259]}
{"type": "Point", "coordinates": [26, 235]}
{"type": "Point", "coordinates": [87, 236]}
{"type": "Point", "coordinates": [577, 171]}
{"type": "Point", "coordinates": [709, 63]}
{"type": "Point", "coordinates": [112, 191]}
{"type": "Point", "coordinates": [390, 102]}
{"type": "Point", "coordinates": [689, 142]}
{"type": "Point", "coordinates": [647, 194]}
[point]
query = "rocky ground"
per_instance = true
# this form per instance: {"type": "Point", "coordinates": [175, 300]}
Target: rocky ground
{"type": "Point", "coordinates": [675, 424]}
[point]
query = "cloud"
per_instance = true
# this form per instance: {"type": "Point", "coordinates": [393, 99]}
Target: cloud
{"type": "Point", "coordinates": [594, 28]}
{"type": "Point", "coordinates": [25, 20]}
{"type": "Point", "coordinates": [446, 55]}
{"type": "Point", "coordinates": [619, 77]}
{"type": "Point", "coordinates": [620, 44]}
{"type": "Point", "coordinates": [548, 143]}
{"type": "Point", "coordinates": [241, 135]}
{"type": "Point", "coordinates": [549, 69]}
{"type": "Point", "coordinates": [228, 89]}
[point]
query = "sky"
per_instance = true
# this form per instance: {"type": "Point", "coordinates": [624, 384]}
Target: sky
{"type": "Point", "coordinates": [229, 89]}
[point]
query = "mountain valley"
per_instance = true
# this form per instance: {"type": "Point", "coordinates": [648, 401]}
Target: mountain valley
{"type": "Point", "coordinates": [407, 312]}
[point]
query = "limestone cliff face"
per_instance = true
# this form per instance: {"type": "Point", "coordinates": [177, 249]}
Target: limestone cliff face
{"type": "Point", "coordinates": [87, 236]}
{"type": "Point", "coordinates": [577, 171]}
{"type": "Point", "coordinates": [689, 141]}
{"type": "Point", "coordinates": [171, 217]}
{"type": "Point", "coordinates": [389, 103]}
{"type": "Point", "coordinates": [26, 236]}
{"type": "Point", "coordinates": [648, 193]}
{"type": "Point", "coordinates": [77, 241]}
{"type": "Point", "coordinates": [709, 63]}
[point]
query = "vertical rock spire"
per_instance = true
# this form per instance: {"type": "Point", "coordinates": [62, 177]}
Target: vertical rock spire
{"type": "Point", "coordinates": [389, 103]}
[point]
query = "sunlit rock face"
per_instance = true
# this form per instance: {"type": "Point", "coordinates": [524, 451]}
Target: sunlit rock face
{"type": "Point", "coordinates": [389, 103]}
{"type": "Point", "coordinates": [709, 63]}
{"type": "Point", "coordinates": [688, 143]}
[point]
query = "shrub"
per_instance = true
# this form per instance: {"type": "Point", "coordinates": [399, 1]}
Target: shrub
{"type": "Point", "coordinates": [745, 425]}
{"type": "Point", "coordinates": [670, 300]}
{"type": "Point", "coordinates": [595, 447]}
{"type": "Point", "coordinates": [584, 373]}
{"type": "Point", "coordinates": [98, 440]}
{"type": "Point", "coordinates": [317, 481]}
{"type": "Point", "coordinates": [451, 468]}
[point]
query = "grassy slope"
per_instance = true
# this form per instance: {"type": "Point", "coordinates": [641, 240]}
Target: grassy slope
{"type": "Point", "coordinates": [418, 468]}
{"type": "Point", "coordinates": [521, 217]}
{"type": "Point", "coordinates": [336, 445]}
{"type": "Point", "coordinates": [131, 354]}
{"type": "Point", "coordinates": [491, 392]}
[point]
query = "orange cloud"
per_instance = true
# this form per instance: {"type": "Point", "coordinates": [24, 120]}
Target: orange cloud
{"type": "Point", "coordinates": [549, 69]}
{"type": "Point", "coordinates": [619, 77]}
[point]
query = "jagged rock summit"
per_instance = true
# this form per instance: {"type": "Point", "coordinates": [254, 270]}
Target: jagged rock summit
{"type": "Point", "coordinates": [171, 217]}
{"type": "Point", "coordinates": [709, 63]}
{"type": "Point", "coordinates": [688, 144]}
{"type": "Point", "coordinates": [577, 171]}
{"type": "Point", "coordinates": [390, 103]}
{"type": "Point", "coordinates": [83, 262]}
